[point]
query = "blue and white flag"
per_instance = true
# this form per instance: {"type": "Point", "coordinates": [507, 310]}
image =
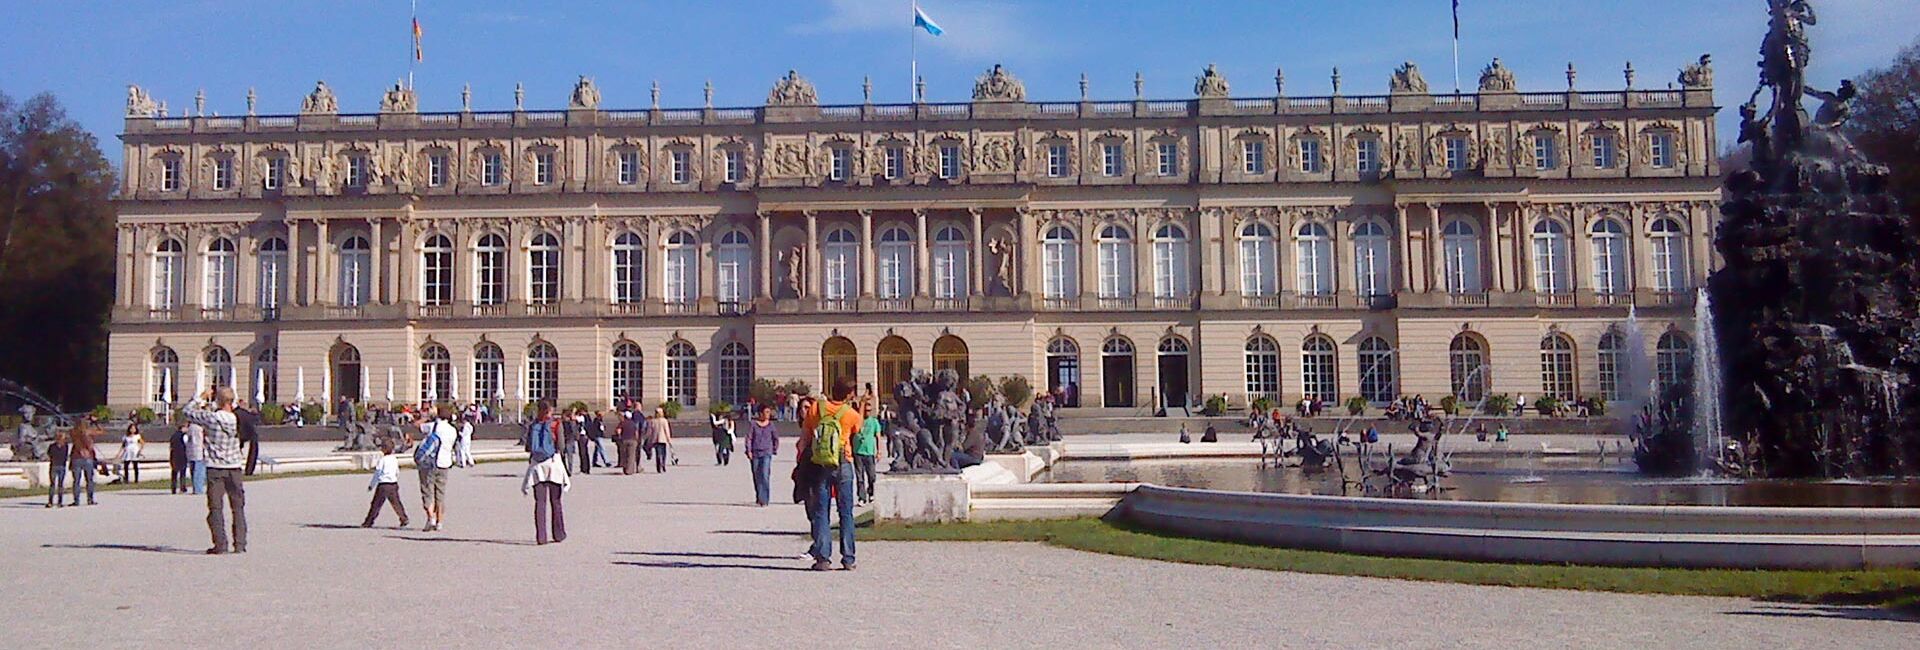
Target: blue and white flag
{"type": "Point", "coordinates": [921, 20]}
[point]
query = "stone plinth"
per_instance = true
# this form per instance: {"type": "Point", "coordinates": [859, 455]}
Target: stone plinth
{"type": "Point", "coordinates": [920, 498]}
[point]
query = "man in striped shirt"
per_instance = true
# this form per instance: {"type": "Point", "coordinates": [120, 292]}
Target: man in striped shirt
{"type": "Point", "coordinates": [225, 467]}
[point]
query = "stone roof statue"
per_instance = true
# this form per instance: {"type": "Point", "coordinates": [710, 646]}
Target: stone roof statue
{"type": "Point", "coordinates": [1496, 78]}
{"type": "Point", "coordinates": [998, 85]}
{"type": "Point", "coordinates": [585, 95]}
{"type": "Point", "coordinates": [399, 99]}
{"type": "Point", "coordinates": [1698, 75]}
{"type": "Point", "coordinates": [139, 104]}
{"type": "Point", "coordinates": [793, 90]}
{"type": "Point", "coordinates": [1407, 80]}
{"type": "Point", "coordinates": [320, 101]}
{"type": "Point", "coordinates": [1210, 83]}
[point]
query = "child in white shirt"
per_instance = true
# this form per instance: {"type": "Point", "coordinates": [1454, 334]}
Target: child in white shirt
{"type": "Point", "coordinates": [385, 486]}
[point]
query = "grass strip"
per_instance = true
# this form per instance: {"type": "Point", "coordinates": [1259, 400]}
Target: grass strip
{"type": "Point", "coordinates": [162, 484]}
{"type": "Point", "coordinates": [1890, 588]}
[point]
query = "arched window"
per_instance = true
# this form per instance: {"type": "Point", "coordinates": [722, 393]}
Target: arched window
{"type": "Point", "coordinates": [950, 262]}
{"type": "Point", "coordinates": [1060, 264]}
{"type": "Point", "coordinates": [1672, 360]}
{"type": "Point", "coordinates": [490, 270]}
{"type": "Point", "coordinates": [628, 372]}
{"type": "Point", "coordinates": [894, 259]}
{"type": "Point", "coordinates": [1379, 378]}
{"type": "Point", "coordinates": [840, 264]}
{"type": "Point", "coordinates": [266, 375]}
{"type": "Point", "coordinates": [1460, 245]}
{"type": "Point", "coordinates": [168, 280]}
{"type": "Point", "coordinates": [1118, 345]}
{"type": "Point", "coordinates": [949, 352]}
{"type": "Point", "coordinates": [543, 371]}
{"type": "Point", "coordinates": [489, 367]}
{"type": "Point", "coordinates": [543, 269]}
{"type": "Point", "coordinates": [1372, 259]}
{"type": "Point", "coordinates": [1170, 273]}
{"type": "Point", "coordinates": [356, 271]}
{"type": "Point", "coordinates": [1556, 367]}
{"type": "Point", "coordinates": [1319, 369]}
{"type": "Point", "coordinates": [838, 358]}
{"type": "Point", "coordinates": [1669, 249]}
{"type": "Point", "coordinates": [1610, 366]}
{"type": "Point", "coordinates": [682, 269]}
{"type": "Point", "coordinates": [1173, 345]}
{"type": "Point", "coordinates": [683, 373]}
{"type": "Point", "coordinates": [347, 373]}
{"type": "Point", "coordinates": [217, 367]}
{"type": "Point", "coordinates": [164, 372]}
{"type": "Point", "coordinates": [733, 268]}
{"type": "Point", "coordinates": [735, 372]}
{"type": "Point", "coordinates": [1609, 245]}
{"type": "Point", "coordinates": [1551, 268]}
{"type": "Point", "coordinates": [436, 271]}
{"type": "Point", "coordinates": [220, 273]}
{"type": "Point", "coordinates": [1117, 372]}
{"type": "Point", "coordinates": [895, 357]}
{"type": "Point", "coordinates": [1263, 368]}
{"type": "Point", "coordinates": [1116, 262]}
{"type": "Point", "coordinates": [1314, 257]}
{"type": "Point", "coordinates": [436, 373]}
{"type": "Point", "coordinates": [1063, 370]}
{"type": "Point", "coordinates": [629, 284]}
{"type": "Point", "coordinates": [1257, 259]}
{"type": "Point", "coordinates": [1467, 365]}
{"type": "Point", "coordinates": [273, 272]}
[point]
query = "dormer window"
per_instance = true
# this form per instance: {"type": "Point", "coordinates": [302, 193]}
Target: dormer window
{"type": "Point", "coordinates": [543, 168]}
{"type": "Point", "coordinates": [357, 171]}
{"type": "Point", "coordinates": [949, 161]}
{"type": "Point", "coordinates": [1113, 159]}
{"type": "Point", "coordinates": [1059, 161]}
{"type": "Point", "coordinates": [1660, 145]}
{"type": "Point", "coordinates": [1606, 151]}
{"type": "Point", "coordinates": [629, 168]}
{"type": "Point", "coordinates": [1310, 155]}
{"type": "Point", "coordinates": [276, 173]}
{"type": "Point", "coordinates": [170, 174]}
{"type": "Point", "coordinates": [839, 164]}
{"type": "Point", "coordinates": [222, 174]}
{"type": "Point", "coordinates": [1457, 155]}
{"type": "Point", "coordinates": [680, 166]}
{"type": "Point", "coordinates": [1253, 157]}
{"type": "Point", "coordinates": [493, 171]}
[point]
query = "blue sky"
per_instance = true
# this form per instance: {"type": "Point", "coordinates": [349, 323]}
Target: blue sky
{"type": "Point", "coordinates": [86, 51]}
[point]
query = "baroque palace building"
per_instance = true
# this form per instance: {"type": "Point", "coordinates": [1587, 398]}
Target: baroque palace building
{"type": "Point", "coordinates": [1135, 253]}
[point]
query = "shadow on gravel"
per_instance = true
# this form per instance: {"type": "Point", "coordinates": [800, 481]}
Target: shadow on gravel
{"type": "Point", "coordinates": [1843, 612]}
{"type": "Point", "coordinates": [463, 540]}
{"type": "Point", "coordinates": [331, 526]}
{"type": "Point", "coordinates": [704, 565]}
{"type": "Point", "coordinates": [696, 503]}
{"type": "Point", "coordinates": [766, 533]}
{"type": "Point", "coordinates": [127, 547]}
{"type": "Point", "coordinates": [725, 556]}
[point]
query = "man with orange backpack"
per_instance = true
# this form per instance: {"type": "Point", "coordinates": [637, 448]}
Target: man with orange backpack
{"type": "Point", "coordinates": [826, 441]}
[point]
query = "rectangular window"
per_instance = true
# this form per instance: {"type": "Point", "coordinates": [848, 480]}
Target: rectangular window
{"type": "Point", "coordinates": [1113, 160]}
{"type": "Point", "coordinates": [276, 172]}
{"type": "Point", "coordinates": [1310, 156]}
{"type": "Point", "coordinates": [356, 171]}
{"type": "Point", "coordinates": [223, 174]}
{"type": "Point", "coordinates": [1662, 149]}
{"type": "Point", "coordinates": [1604, 153]}
{"type": "Point", "coordinates": [949, 161]}
{"type": "Point", "coordinates": [839, 163]}
{"type": "Point", "coordinates": [543, 168]}
{"type": "Point", "coordinates": [170, 175]}
{"type": "Point", "coordinates": [730, 162]}
{"type": "Point", "coordinates": [1367, 156]}
{"type": "Point", "coordinates": [492, 171]}
{"type": "Point", "coordinates": [1545, 155]}
{"type": "Point", "coordinates": [896, 163]}
{"type": "Point", "coordinates": [1457, 154]}
{"type": "Point", "coordinates": [1169, 159]}
{"type": "Point", "coordinates": [682, 166]}
{"type": "Point", "coordinates": [1253, 157]}
{"type": "Point", "coordinates": [629, 168]}
{"type": "Point", "coordinates": [1058, 161]}
{"type": "Point", "coordinates": [437, 170]}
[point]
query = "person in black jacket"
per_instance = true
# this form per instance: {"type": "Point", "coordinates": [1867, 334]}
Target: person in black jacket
{"type": "Point", "coordinates": [247, 421]}
{"type": "Point", "coordinates": [178, 469]}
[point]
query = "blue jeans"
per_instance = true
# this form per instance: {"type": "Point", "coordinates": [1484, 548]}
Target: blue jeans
{"type": "Point", "coordinates": [199, 476]}
{"type": "Point", "coordinates": [762, 479]}
{"type": "Point", "coordinates": [83, 470]}
{"type": "Point", "coordinates": [839, 480]}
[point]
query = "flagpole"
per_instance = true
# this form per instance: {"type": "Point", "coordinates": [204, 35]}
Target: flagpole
{"type": "Point", "coordinates": [913, 50]}
{"type": "Point", "coordinates": [1456, 47]}
{"type": "Point", "coordinates": [413, 38]}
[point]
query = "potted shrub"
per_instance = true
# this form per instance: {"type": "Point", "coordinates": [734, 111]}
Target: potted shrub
{"type": "Point", "coordinates": [980, 390]}
{"type": "Point", "coordinates": [578, 406]}
{"type": "Point", "coordinates": [144, 415]}
{"type": "Point", "coordinates": [529, 410]}
{"type": "Point", "coordinates": [1356, 405]}
{"type": "Point", "coordinates": [1450, 405]}
{"type": "Point", "coordinates": [719, 407]}
{"type": "Point", "coordinates": [271, 414]}
{"type": "Point", "coordinates": [1263, 405]}
{"type": "Point", "coordinates": [1596, 406]}
{"type": "Point", "coordinates": [102, 413]}
{"type": "Point", "coordinates": [311, 413]}
{"type": "Point", "coordinates": [1016, 390]}
{"type": "Point", "coordinates": [1216, 406]}
{"type": "Point", "coordinates": [1500, 405]}
{"type": "Point", "coordinates": [762, 390]}
{"type": "Point", "coordinates": [799, 387]}
{"type": "Point", "coordinates": [672, 408]}
{"type": "Point", "coordinates": [1547, 405]}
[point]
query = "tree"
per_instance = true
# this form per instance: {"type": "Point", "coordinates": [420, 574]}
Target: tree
{"type": "Point", "coordinates": [56, 253]}
{"type": "Point", "coordinates": [1886, 122]}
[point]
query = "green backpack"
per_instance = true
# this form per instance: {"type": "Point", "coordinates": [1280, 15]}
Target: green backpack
{"type": "Point", "coordinates": [827, 441]}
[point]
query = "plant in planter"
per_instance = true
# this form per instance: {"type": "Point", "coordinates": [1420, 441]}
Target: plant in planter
{"type": "Point", "coordinates": [1500, 405]}
{"type": "Point", "coordinates": [1016, 390]}
{"type": "Point", "coordinates": [719, 407]}
{"type": "Point", "coordinates": [529, 411]}
{"type": "Point", "coordinates": [102, 413]}
{"type": "Point", "coordinates": [1263, 404]}
{"type": "Point", "coordinates": [271, 414]}
{"type": "Point", "coordinates": [1356, 405]}
{"type": "Point", "coordinates": [980, 390]}
{"type": "Point", "coordinates": [1216, 406]}
{"type": "Point", "coordinates": [578, 406]}
{"type": "Point", "coordinates": [311, 413]}
{"type": "Point", "coordinates": [1547, 405]}
{"type": "Point", "coordinates": [672, 408]}
{"type": "Point", "coordinates": [1450, 405]}
{"type": "Point", "coordinates": [799, 387]}
{"type": "Point", "coordinates": [1596, 406]}
{"type": "Point", "coordinates": [762, 390]}
{"type": "Point", "coordinates": [145, 415]}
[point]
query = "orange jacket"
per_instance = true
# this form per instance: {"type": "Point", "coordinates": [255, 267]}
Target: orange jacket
{"type": "Point", "coordinates": [850, 421]}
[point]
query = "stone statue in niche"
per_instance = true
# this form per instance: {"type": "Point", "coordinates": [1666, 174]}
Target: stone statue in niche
{"type": "Point", "coordinates": [797, 271]}
{"type": "Point", "coordinates": [1003, 251]}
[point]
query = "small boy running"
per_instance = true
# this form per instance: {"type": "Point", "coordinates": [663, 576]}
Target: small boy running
{"type": "Point", "coordinates": [385, 486]}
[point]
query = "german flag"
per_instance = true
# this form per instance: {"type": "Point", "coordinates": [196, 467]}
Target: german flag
{"type": "Point", "coordinates": [417, 55]}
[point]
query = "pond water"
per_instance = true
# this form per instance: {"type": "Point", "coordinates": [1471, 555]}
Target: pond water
{"type": "Point", "coordinates": [1523, 480]}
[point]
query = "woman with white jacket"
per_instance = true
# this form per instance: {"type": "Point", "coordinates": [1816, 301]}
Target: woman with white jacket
{"type": "Point", "coordinates": [546, 477]}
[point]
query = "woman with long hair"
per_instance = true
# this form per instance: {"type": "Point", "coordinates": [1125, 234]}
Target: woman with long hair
{"type": "Point", "coordinates": [546, 477]}
{"type": "Point", "coordinates": [662, 431]}
{"type": "Point", "coordinates": [57, 468]}
{"type": "Point", "coordinates": [131, 446]}
{"type": "Point", "coordinates": [84, 460]}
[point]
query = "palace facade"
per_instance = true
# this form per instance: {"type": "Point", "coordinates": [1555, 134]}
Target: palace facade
{"type": "Point", "coordinates": [1135, 253]}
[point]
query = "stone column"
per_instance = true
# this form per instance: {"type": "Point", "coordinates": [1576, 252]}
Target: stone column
{"type": "Point", "coordinates": [1639, 249]}
{"type": "Point", "coordinates": [377, 275]}
{"type": "Point", "coordinates": [295, 280]}
{"type": "Point", "coordinates": [708, 270]}
{"type": "Point", "coordinates": [1437, 262]}
{"type": "Point", "coordinates": [321, 288]}
{"type": "Point", "coordinates": [246, 269]}
{"type": "Point", "coordinates": [765, 290]}
{"type": "Point", "coordinates": [406, 260]}
{"type": "Point", "coordinates": [1497, 252]}
{"type": "Point", "coordinates": [1343, 281]}
{"type": "Point", "coordinates": [1025, 260]}
{"type": "Point", "coordinates": [1700, 234]}
{"type": "Point", "coordinates": [466, 267]}
{"type": "Point", "coordinates": [1231, 284]}
{"type": "Point", "coordinates": [573, 260]}
{"type": "Point", "coordinates": [1089, 259]}
{"type": "Point", "coordinates": [922, 259]}
{"type": "Point", "coordinates": [1403, 243]}
{"type": "Point", "coordinates": [127, 246]}
{"type": "Point", "coordinates": [1580, 249]}
{"type": "Point", "coordinates": [976, 267]}
{"type": "Point", "coordinates": [1145, 267]}
{"type": "Point", "coordinates": [867, 282]}
{"type": "Point", "coordinates": [1206, 258]}
{"type": "Point", "coordinates": [813, 249]}
{"type": "Point", "coordinates": [1284, 251]}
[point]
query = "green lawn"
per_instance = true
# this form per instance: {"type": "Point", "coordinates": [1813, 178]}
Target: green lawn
{"type": "Point", "coordinates": [1894, 588]}
{"type": "Point", "coordinates": [161, 483]}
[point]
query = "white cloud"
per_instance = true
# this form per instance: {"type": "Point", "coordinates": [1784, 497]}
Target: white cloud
{"type": "Point", "coordinates": [987, 31]}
